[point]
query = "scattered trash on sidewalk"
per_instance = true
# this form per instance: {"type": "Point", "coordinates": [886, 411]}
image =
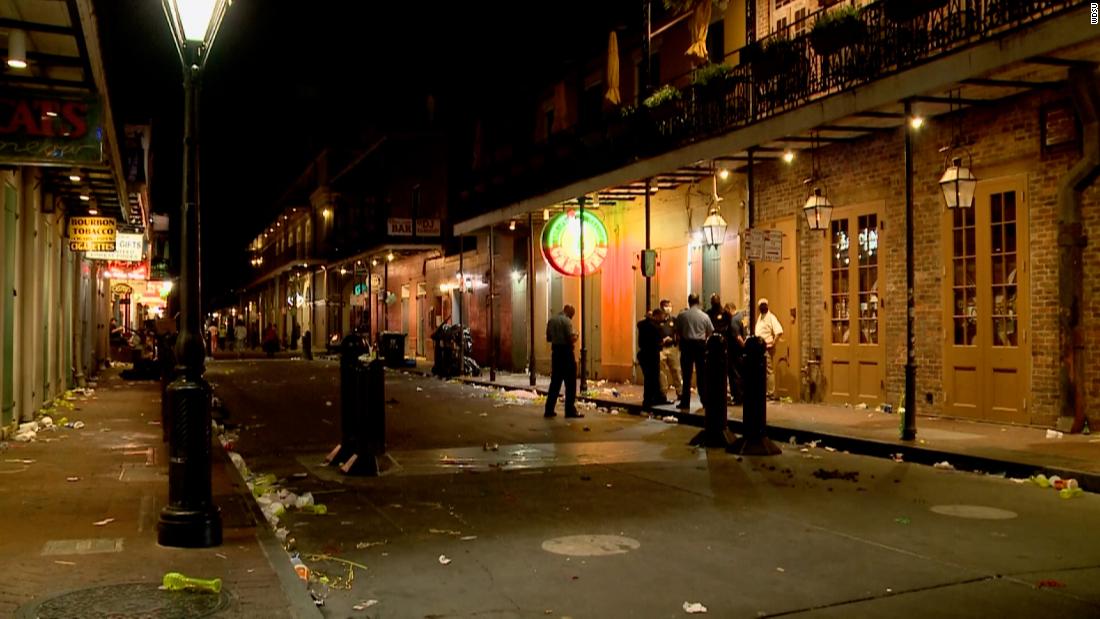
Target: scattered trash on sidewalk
{"type": "Point", "coordinates": [1050, 583]}
{"type": "Point", "coordinates": [445, 532]}
{"type": "Point", "coordinates": [780, 570]}
{"type": "Point", "coordinates": [444, 560]}
{"type": "Point", "coordinates": [490, 447]}
{"type": "Point", "coordinates": [17, 461]}
{"type": "Point", "coordinates": [945, 465]}
{"type": "Point", "coordinates": [902, 520]}
{"type": "Point", "coordinates": [1054, 434]}
{"type": "Point", "coordinates": [693, 608]}
{"type": "Point", "coordinates": [104, 522]}
{"type": "Point", "coordinates": [830, 449]}
{"type": "Point", "coordinates": [220, 555]}
{"type": "Point", "coordinates": [467, 538]}
{"type": "Point", "coordinates": [65, 562]}
{"type": "Point", "coordinates": [174, 581]}
{"type": "Point", "coordinates": [74, 478]}
{"type": "Point", "coordinates": [1071, 493]}
{"type": "Point", "coordinates": [299, 567]}
{"type": "Point", "coordinates": [861, 406]}
{"type": "Point", "coordinates": [670, 419]}
{"type": "Point", "coordinates": [419, 389]}
{"type": "Point", "coordinates": [362, 545]}
{"type": "Point", "coordinates": [898, 457]}
{"type": "Point", "coordinates": [365, 604]}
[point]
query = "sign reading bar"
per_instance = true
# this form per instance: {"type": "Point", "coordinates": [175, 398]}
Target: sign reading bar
{"type": "Point", "coordinates": [402, 226]}
{"type": "Point", "coordinates": [128, 248]}
{"type": "Point", "coordinates": [37, 128]}
{"type": "Point", "coordinates": [763, 245]}
{"type": "Point", "coordinates": [92, 233]}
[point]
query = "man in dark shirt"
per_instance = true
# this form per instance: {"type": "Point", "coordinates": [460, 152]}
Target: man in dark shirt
{"type": "Point", "coordinates": [719, 316]}
{"type": "Point", "coordinates": [563, 365]}
{"type": "Point", "coordinates": [736, 349]}
{"type": "Point", "coordinates": [649, 357]}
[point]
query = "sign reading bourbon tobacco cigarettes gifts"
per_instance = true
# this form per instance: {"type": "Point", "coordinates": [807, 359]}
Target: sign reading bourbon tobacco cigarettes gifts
{"type": "Point", "coordinates": [92, 233]}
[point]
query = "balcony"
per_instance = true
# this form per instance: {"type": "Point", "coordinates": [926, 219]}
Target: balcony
{"type": "Point", "coordinates": [777, 74]}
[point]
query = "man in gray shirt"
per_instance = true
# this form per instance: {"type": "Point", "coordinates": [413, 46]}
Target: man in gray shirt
{"type": "Point", "coordinates": [563, 365]}
{"type": "Point", "coordinates": [693, 327]}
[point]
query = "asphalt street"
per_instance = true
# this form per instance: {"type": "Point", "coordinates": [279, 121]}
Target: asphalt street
{"type": "Point", "coordinates": [493, 511]}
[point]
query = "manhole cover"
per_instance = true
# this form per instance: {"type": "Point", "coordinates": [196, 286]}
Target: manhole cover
{"type": "Point", "coordinates": [126, 601]}
{"type": "Point", "coordinates": [590, 545]}
{"type": "Point", "coordinates": [978, 512]}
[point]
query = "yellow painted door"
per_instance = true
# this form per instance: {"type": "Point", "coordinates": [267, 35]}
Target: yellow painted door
{"type": "Point", "coordinates": [986, 348]}
{"type": "Point", "coordinates": [778, 283]}
{"type": "Point", "coordinates": [853, 355]}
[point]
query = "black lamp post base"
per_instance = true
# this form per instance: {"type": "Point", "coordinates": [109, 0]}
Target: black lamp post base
{"type": "Point", "coordinates": [184, 528]}
{"type": "Point", "coordinates": [759, 446]}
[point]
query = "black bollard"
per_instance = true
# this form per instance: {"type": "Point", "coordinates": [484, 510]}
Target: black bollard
{"type": "Point", "coordinates": [350, 349]}
{"type": "Point", "coordinates": [715, 431]}
{"type": "Point", "coordinates": [754, 440]}
{"type": "Point", "coordinates": [307, 345]}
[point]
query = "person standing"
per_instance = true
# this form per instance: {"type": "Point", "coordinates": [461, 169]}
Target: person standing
{"type": "Point", "coordinates": [295, 333]}
{"type": "Point", "coordinates": [693, 327]}
{"type": "Point", "coordinates": [736, 349]}
{"type": "Point", "coordinates": [719, 317]}
{"type": "Point", "coordinates": [649, 358]}
{"type": "Point", "coordinates": [563, 365]}
{"type": "Point", "coordinates": [213, 331]}
{"type": "Point", "coordinates": [769, 329]}
{"type": "Point", "coordinates": [241, 333]}
{"type": "Point", "coordinates": [670, 353]}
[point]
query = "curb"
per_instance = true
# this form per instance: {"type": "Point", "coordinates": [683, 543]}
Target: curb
{"type": "Point", "coordinates": [1089, 482]}
{"type": "Point", "coordinates": [299, 605]}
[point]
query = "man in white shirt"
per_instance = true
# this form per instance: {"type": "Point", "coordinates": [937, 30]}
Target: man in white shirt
{"type": "Point", "coordinates": [769, 329]}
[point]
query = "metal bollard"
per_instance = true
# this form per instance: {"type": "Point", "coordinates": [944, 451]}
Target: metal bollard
{"type": "Point", "coordinates": [754, 439]}
{"type": "Point", "coordinates": [350, 349]}
{"type": "Point", "coordinates": [715, 432]}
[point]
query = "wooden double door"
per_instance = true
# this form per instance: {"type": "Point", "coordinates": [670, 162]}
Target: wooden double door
{"type": "Point", "coordinates": [986, 304]}
{"type": "Point", "coordinates": [854, 352]}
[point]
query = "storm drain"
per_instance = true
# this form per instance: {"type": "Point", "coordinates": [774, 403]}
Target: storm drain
{"type": "Point", "coordinates": [126, 601]}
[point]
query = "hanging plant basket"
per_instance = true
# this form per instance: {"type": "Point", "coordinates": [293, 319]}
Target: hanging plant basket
{"type": "Point", "coordinates": [906, 10]}
{"type": "Point", "coordinates": [775, 57]}
{"type": "Point", "coordinates": [837, 30]}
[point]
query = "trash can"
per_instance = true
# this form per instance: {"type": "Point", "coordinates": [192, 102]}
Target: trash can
{"type": "Point", "coordinates": [393, 348]}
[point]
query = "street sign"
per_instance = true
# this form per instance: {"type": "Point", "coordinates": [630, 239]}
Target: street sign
{"type": "Point", "coordinates": [649, 262]}
{"type": "Point", "coordinates": [92, 233]}
{"type": "Point", "coordinates": [128, 248]}
{"type": "Point", "coordinates": [763, 245]}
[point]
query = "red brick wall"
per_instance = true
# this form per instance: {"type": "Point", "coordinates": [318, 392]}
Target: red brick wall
{"type": "Point", "coordinates": [1005, 141]}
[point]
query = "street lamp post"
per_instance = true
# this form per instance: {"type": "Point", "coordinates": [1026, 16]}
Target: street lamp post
{"type": "Point", "coordinates": [190, 520]}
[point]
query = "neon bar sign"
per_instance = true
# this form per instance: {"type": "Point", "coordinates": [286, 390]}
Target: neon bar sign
{"type": "Point", "coordinates": [561, 239]}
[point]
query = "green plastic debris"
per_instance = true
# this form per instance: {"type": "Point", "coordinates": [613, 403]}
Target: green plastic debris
{"type": "Point", "coordinates": [174, 581]}
{"type": "Point", "coordinates": [902, 520]}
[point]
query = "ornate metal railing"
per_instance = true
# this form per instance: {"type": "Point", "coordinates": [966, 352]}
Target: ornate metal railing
{"type": "Point", "coordinates": [776, 74]}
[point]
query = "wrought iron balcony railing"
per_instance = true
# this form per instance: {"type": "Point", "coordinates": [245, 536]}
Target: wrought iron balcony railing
{"type": "Point", "coordinates": [776, 74]}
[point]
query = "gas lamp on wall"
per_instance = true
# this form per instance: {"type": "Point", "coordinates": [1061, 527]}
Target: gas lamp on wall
{"type": "Point", "coordinates": [958, 182]}
{"type": "Point", "coordinates": [714, 226]}
{"type": "Point", "coordinates": [817, 209]}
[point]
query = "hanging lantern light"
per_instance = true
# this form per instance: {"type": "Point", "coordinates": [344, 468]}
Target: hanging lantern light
{"type": "Point", "coordinates": [714, 229]}
{"type": "Point", "coordinates": [818, 210]}
{"type": "Point", "coordinates": [958, 184]}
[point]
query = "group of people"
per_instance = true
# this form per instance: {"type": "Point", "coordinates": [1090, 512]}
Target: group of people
{"type": "Point", "coordinates": [670, 350]}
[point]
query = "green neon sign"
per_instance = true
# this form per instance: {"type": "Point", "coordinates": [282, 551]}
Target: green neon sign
{"type": "Point", "coordinates": [561, 243]}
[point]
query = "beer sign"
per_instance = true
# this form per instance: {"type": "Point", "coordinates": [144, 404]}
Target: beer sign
{"type": "Point", "coordinates": [92, 233]}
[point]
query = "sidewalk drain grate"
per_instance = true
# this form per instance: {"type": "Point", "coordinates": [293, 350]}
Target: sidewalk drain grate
{"type": "Point", "coordinates": [126, 601]}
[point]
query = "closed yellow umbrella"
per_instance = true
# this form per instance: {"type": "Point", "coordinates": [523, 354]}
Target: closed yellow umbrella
{"type": "Point", "coordinates": [612, 95]}
{"type": "Point", "coordinates": [700, 22]}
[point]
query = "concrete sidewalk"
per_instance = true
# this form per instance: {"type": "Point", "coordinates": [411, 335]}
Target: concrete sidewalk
{"type": "Point", "coordinates": [80, 510]}
{"type": "Point", "coordinates": [969, 445]}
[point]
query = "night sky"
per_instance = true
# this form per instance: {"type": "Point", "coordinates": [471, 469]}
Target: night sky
{"type": "Point", "coordinates": [286, 78]}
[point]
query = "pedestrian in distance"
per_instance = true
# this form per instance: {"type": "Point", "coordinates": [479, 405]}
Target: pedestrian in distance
{"type": "Point", "coordinates": [241, 332]}
{"type": "Point", "coordinates": [670, 352]}
{"type": "Point", "coordinates": [649, 358]}
{"type": "Point", "coordinates": [271, 341]}
{"type": "Point", "coordinates": [769, 329]}
{"type": "Point", "coordinates": [563, 365]}
{"type": "Point", "coordinates": [693, 327]}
